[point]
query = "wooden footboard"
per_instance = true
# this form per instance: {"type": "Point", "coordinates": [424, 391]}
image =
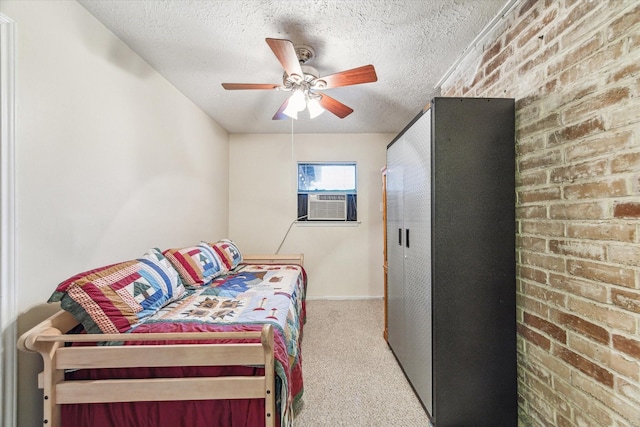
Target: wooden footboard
{"type": "Point", "coordinates": [48, 340]}
{"type": "Point", "coordinates": [49, 337]}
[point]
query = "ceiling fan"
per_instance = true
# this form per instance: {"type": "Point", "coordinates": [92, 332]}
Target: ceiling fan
{"type": "Point", "coordinates": [305, 84]}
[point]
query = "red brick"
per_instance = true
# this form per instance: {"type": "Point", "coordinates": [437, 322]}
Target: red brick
{"type": "Point", "coordinates": [629, 390]}
{"type": "Point", "coordinates": [602, 272]}
{"type": "Point", "coordinates": [607, 314]}
{"type": "Point", "coordinates": [577, 131]}
{"type": "Point", "coordinates": [534, 337]}
{"type": "Point", "coordinates": [624, 365]}
{"type": "Point", "coordinates": [531, 212]}
{"type": "Point", "coordinates": [534, 244]}
{"type": "Point", "coordinates": [577, 211]}
{"type": "Point", "coordinates": [628, 346]}
{"type": "Point", "coordinates": [593, 64]}
{"type": "Point", "coordinates": [630, 301]}
{"type": "Point", "coordinates": [489, 81]}
{"type": "Point", "coordinates": [526, 101]}
{"type": "Point", "coordinates": [576, 55]}
{"type": "Point", "coordinates": [630, 70]}
{"type": "Point", "coordinates": [533, 374]}
{"type": "Point", "coordinates": [627, 210]}
{"type": "Point", "coordinates": [532, 305]}
{"type": "Point", "coordinates": [578, 249]}
{"type": "Point", "coordinates": [551, 121]}
{"type": "Point", "coordinates": [544, 261]}
{"type": "Point", "coordinates": [579, 93]}
{"type": "Point", "coordinates": [550, 86]}
{"type": "Point", "coordinates": [598, 353]}
{"type": "Point", "coordinates": [604, 144]}
{"type": "Point", "coordinates": [539, 195]}
{"type": "Point", "coordinates": [538, 30]}
{"type": "Point", "coordinates": [563, 422]}
{"type": "Point", "coordinates": [528, 144]}
{"type": "Point", "coordinates": [593, 190]}
{"type": "Point", "coordinates": [619, 27]}
{"type": "Point", "coordinates": [628, 162]}
{"type": "Point", "coordinates": [526, 7]}
{"type": "Point", "coordinates": [579, 171]}
{"type": "Point", "coordinates": [596, 103]}
{"type": "Point", "coordinates": [582, 9]}
{"type": "Point", "coordinates": [576, 286]}
{"type": "Point", "coordinates": [624, 116]}
{"type": "Point", "coordinates": [585, 366]}
{"type": "Point", "coordinates": [492, 51]}
{"type": "Point", "coordinates": [589, 412]}
{"type": "Point", "coordinates": [624, 254]}
{"type": "Point", "coordinates": [521, 25]}
{"type": "Point", "coordinates": [536, 177]}
{"type": "Point", "coordinates": [528, 114]}
{"type": "Point", "coordinates": [533, 274]}
{"type": "Point", "coordinates": [582, 326]}
{"type": "Point", "coordinates": [540, 160]}
{"type": "Point", "coordinates": [526, 67]}
{"type": "Point", "coordinates": [542, 228]}
{"type": "Point", "coordinates": [547, 327]}
{"type": "Point", "coordinates": [602, 231]}
{"type": "Point", "coordinates": [544, 293]}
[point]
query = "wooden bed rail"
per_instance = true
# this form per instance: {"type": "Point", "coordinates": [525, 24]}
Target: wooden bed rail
{"type": "Point", "coordinates": [47, 339]}
{"type": "Point", "coordinates": [274, 259]}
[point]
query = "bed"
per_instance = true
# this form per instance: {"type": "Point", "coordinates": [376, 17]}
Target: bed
{"type": "Point", "coordinates": [223, 352]}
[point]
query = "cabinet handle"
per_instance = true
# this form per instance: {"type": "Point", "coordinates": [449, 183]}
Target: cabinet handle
{"type": "Point", "coordinates": [407, 238]}
{"type": "Point", "coordinates": [400, 236]}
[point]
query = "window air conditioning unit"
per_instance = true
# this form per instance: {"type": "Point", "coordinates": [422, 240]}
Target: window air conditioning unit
{"type": "Point", "coordinates": [327, 207]}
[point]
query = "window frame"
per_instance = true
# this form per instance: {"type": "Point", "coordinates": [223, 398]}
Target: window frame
{"type": "Point", "coordinates": [302, 195]}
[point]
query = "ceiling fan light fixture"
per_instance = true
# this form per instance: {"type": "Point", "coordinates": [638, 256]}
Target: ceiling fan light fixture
{"type": "Point", "coordinates": [315, 109]}
{"type": "Point", "coordinates": [290, 111]}
{"type": "Point", "coordinates": [297, 101]}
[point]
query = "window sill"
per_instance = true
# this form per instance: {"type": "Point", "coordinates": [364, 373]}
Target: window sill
{"type": "Point", "coordinates": [328, 223]}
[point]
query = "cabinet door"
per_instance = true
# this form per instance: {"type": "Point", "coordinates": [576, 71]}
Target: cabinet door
{"type": "Point", "coordinates": [417, 263]}
{"type": "Point", "coordinates": [395, 254]}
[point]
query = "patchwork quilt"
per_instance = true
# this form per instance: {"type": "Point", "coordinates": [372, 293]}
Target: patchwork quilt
{"type": "Point", "coordinates": [252, 294]}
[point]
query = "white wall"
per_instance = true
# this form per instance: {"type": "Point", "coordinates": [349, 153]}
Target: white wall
{"type": "Point", "coordinates": [111, 160]}
{"type": "Point", "coordinates": [341, 261]}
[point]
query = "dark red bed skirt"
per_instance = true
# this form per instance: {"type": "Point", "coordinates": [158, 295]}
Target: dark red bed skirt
{"type": "Point", "coordinates": [203, 413]}
{"type": "Point", "coordinates": [191, 413]}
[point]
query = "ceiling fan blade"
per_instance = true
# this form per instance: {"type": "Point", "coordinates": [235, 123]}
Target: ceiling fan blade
{"type": "Point", "coordinates": [364, 74]}
{"type": "Point", "coordinates": [280, 114]}
{"type": "Point", "coordinates": [335, 106]}
{"type": "Point", "coordinates": [241, 86]}
{"type": "Point", "coordinates": [286, 54]}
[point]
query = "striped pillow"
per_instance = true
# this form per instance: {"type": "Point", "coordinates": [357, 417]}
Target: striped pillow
{"type": "Point", "coordinates": [197, 265]}
{"type": "Point", "coordinates": [228, 253]}
{"type": "Point", "coordinates": [113, 298]}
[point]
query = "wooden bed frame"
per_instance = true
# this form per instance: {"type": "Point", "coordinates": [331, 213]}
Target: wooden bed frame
{"type": "Point", "coordinates": [49, 338]}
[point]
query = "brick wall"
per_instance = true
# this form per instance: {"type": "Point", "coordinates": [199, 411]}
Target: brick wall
{"type": "Point", "coordinates": [573, 67]}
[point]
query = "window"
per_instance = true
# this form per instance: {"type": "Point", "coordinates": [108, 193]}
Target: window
{"type": "Point", "coordinates": [327, 191]}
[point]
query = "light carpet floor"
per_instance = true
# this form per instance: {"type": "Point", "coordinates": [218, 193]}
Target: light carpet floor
{"type": "Point", "coordinates": [351, 378]}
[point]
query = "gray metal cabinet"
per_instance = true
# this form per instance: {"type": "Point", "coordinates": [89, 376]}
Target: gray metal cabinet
{"type": "Point", "coordinates": [451, 260]}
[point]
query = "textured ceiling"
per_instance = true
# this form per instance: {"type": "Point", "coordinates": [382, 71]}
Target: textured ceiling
{"type": "Point", "coordinates": [197, 45]}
